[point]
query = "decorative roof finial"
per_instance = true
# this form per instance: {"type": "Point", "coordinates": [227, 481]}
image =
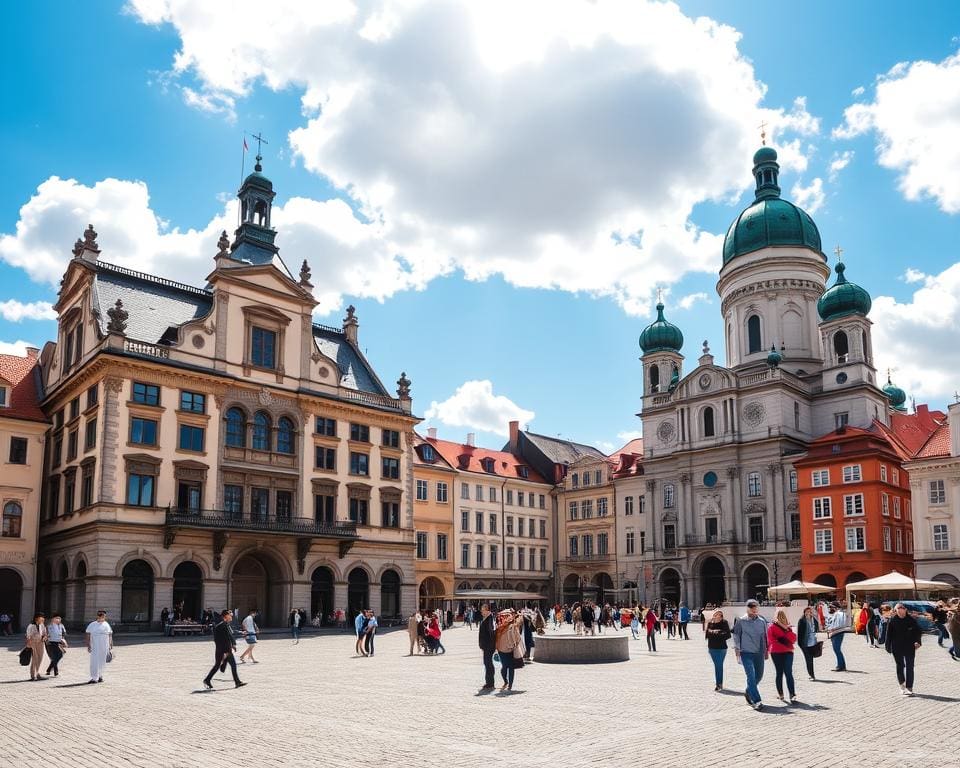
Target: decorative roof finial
{"type": "Point", "coordinates": [260, 140]}
{"type": "Point", "coordinates": [838, 252]}
{"type": "Point", "coordinates": [118, 319]}
{"type": "Point", "coordinates": [706, 347]}
{"type": "Point", "coordinates": [305, 275]}
{"type": "Point", "coordinates": [90, 238]}
{"type": "Point", "coordinates": [223, 244]}
{"type": "Point", "coordinates": [78, 248]}
{"type": "Point", "coordinates": [659, 295]}
{"type": "Point", "coordinates": [403, 386]}
{"type": "Point", "coordinates": [763, 132]}
{"type": "Point", "coordinates": [351, 311]}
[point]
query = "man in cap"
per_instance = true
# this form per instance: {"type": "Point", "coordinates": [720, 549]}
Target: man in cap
{"type": "Point", "coordinates": [750, 646]}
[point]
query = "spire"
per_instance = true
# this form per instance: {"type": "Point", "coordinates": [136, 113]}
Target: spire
{"type": "Point", "coordinates": [254, 238]}
{"type": "Point", "coordinates": [766, 172]}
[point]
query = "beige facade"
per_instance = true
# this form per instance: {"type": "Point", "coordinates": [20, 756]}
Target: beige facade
{"type": "Point", "coordinates": [434, 483]}
{"type": "Point", "coordinates": [215, 448]}
{"type": "Point", "coordinates": [22, 433]}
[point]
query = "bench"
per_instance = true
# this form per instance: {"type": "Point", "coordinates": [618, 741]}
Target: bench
{"type": "Point", "coordinates": [185, 629]}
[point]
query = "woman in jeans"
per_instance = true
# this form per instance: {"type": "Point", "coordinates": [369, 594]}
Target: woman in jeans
{"type": "Point", "coordinates": [903, 640]}
{"type": "Point", "coordinates": [717, 633]}
{"type": "Point", "coordinates": [780, 640]}
{"type": "Point", "coordinates": [507, 640]}
{"type": "Point", "coordinates": [56, 643]}
{"type": "Point", "coordinates": [807, 629]}
{"type": "Point", "coordinates": [651, 622]}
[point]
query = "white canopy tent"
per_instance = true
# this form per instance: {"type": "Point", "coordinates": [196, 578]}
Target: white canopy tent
{"type": "Point", "coordinates": [797, 587]}
{"type": "Point", "coordinates": [895, 582]}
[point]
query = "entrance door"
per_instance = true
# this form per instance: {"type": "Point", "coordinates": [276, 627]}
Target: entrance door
{"type": "Point", "coordinates": [188, 590]}
{"type": "Point", "coordinates": [249, 586]}
{"type": "Point", "coordinates": [321, 594]}
{"type": "Point", "coordinates": [11, 593]}
{"type": "Point", "coordinates": [358, 592]}
{"type": "Point", "coordinates": [712, 585]}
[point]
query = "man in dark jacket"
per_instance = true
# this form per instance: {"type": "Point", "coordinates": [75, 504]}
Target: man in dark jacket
{"type": "Point", "coordinates": [224, 649]}
{"type": "Point", "coordinates": [903, 640]}
{"type": "Point", "coordinates": [488, 644]}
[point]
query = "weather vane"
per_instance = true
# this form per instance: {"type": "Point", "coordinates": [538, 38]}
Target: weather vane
{"type": "Point", "coordinates": [260, 140]}
{"type": "Point", "coordinates": [659, 295]}
{"type": "Point", "coordinates": [763, 132]}
{"type": "Point", "coordinates": [838, 251]}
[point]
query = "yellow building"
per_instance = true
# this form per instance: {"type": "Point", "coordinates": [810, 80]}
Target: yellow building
{"type": "Point", "coordinates": [214, 447]}
{"type": "Point", "coordinates": [434, 483]}
{"type": "Point", "coordinates": [22, 429]}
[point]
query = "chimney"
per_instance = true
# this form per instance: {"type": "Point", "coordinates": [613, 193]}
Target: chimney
{"type": "Point", "coordinates": [432, 433]}
{"type": "Point", "coordinates": [953, 418]}
{"type": "Point", "coordinates": [514, 435]}
{"type": "Point", "coordinates": [32, 353]}
{"type": "Point", "coordinates": [351, 325]}
{"type": "Point", "coordinates": [471, 439]}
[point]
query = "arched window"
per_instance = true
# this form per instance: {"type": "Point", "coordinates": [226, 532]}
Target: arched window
{"type": "Point", "coordinates": [866, 348]}
{"type": "Point", "coordinates": [136, 593]}
{"type": "Point", "coordinates": [668, 496]}
{"type": "Point", "coordinates": [708, 427]}
{"type": "Point", "coordinates": [754, 342]}
{"type": "Point", "coordinates": [654, 378]}
{"type": "Point", "coordinates": [236, 428]}
{"type": "Point", "coordinates": [285, 435]}
{"type": "Point", "coordinates": [261, 431]}
{"type": "Point", "coordinates": [12, 518]}
{"type": "Point", "coordinates": [841, 346]}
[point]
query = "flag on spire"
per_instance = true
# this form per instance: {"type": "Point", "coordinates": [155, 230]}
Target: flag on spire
{"type": "Point", "coordinates": [245, 147]}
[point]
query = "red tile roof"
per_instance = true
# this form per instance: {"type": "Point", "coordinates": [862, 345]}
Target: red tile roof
{"type": "Point", "coordinates": [468, 459]}
{"type": "Point", "coordinates": [23, 398]}
{"type": "Point", "coordinates": [914, 429]}
{"type": "Point", "coordinates": [937, 445]}
{"type": "Point", "coordinates": [629, 459]}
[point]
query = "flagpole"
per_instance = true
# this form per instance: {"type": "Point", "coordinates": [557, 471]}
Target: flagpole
{"type": "Point", "coordinates": [243, 161]}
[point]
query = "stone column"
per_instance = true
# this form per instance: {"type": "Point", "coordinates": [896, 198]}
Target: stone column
{"type": "Point", "coordinates": [162, 596]}
{"type": "Point", "coordinates": [736, 501]}
{"type": "Point", "coordinates": [776, 503]}
{"type": "Point", "coordinates": [111, 438]}
{"type": "Point", "coordinates": [300, 595]}
{"type": "Point", "coordinates": [340, 595]}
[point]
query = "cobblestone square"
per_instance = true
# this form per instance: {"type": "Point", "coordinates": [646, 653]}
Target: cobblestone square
{"type": "Point", "coordinates": [317, 704]}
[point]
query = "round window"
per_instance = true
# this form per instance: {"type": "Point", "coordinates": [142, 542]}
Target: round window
{"type": "Point", "coordinates": [710, 479]}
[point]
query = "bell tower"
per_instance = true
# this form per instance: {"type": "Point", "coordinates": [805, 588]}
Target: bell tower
{"type": "Point", "coordinates": [254, 239]}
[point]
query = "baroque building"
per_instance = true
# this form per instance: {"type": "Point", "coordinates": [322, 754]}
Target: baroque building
{"type": "Point", "coordinates": [721, 510]}
{"type": "Point", "coordinates": [435, 482]}
{"type": "Point", "coordinates": [214, 447]}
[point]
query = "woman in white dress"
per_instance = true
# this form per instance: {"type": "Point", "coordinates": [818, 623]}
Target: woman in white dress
{"type": "Point", "coordinates": [99, 644]}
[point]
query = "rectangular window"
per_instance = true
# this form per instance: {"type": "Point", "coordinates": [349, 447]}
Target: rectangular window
{"type": "Point", "coordinates": [464, 521]}
{"type": "Point", "coordinates": [465, 491]}
{"type": "Point", "coordinates": [479, 555]}
{"type": "Point", "coordinates": [360, 433]}
{"type": "Point", "coordinates": [324, 508]}
{"type": "Point", "coordinates": [941, 537]}
{"type": "Point", "coordinates": [840, 420]}
{"type": "Point", "coordinates": [587, 541]}
{"type": "Point", "coordinates": [325, 458]}
{"type": "Point", "coordinates": [887, 541]}
{"type": "Point", "coordinates": [896, 507]}
{"type": "Point", "coordinates": [896, 477]}
{"type": "Point", "coordinates": [478, 522]}
{"type": "Point", "coordinates": [147, 394]}
{"type": "Point", "coordinates": [233, 501]}
{"type": "Point", "coordinates": [641, 504]}
{"type": "Point", "coordinates": [795, 526]}
{"type": "Point", "coordinates": [359, 464]}
{"type": "Point", "coordinates": [509, 558]}
{"type": "Point", "coordinates": [602, 507]}
{"type": "Point", "coordinates": [669, 537]}
{"type": "Point", "coordinates": [899, 539]}
{"type": "Point", "coordinates": [586, 509]}
{"type": "Point", "coordinates": [574, 546]}
{"type": "Point", "coordinates": [493, 556]}
{"type": "Point", "coordinates": [543, 501]}
{"type": "Point", "coordinates": [519, 498]}
{"type": "Point", "coordinates": [69, 487]}
{"type": "Point", "coordinates": [509, 525]}
{"type": "Point", "coordinates": [851, 473]}
{"type": "Point", "coordinates": [442, 493]}
{"type": "Point", "coordinates": [574, 510]}
{"type": "Point", "coordinates": [756, 529]}
{"type": "Point", "coordinates": [441, 546]}
{"type": "Point", "coordinates": [193, 402]}
{"type": "Point", "coordinates": [422, 490]}
{"type": "Point", "coordinates": [543, 559]}
{"type": "Point", "coordinates": [86, 488]}
{"type": "Point", "coordinates": [938, 494]}
{"type": "Point", "coordinates": [390, 468]}
{"type": "Point", "coordinates": [74, 407]}
{"type": "Point", "coordinates": [631, 542]}
{"type": "Point", "coordinates": [72, 445]}
{"type": "Point", "coordinates": [90, 435]}
{"type": "Point", "coordinates": [421, 545]}
{"type": "Point", "coordinates": [263, 347]}
{"type": "Point", "coordinates": [3, 397]}
{"type": "Point", "coordinates": [754, 487]}
{"type": "Point", "coordinates": [325, 427]}
{"type": "Point", "coordinates": [259, 504]}
{"type": "Point", "coordinates": [883, 473]}
{"type": "Point", "coordinates": [93, 395]}
{"type": "Point", "coordinates": [821, 508]}
{"type": "Point", "coordinates": [139, 490]}
{"type": "Point", "coordinates": [853, 505]}
{"type": "Point", "coordinates": [598, 477]}
{"type": "Point", "coordinates": [628, 505]}
{"type": "Point", "coordinates": [574, 480]}
{"type": "Point", "coordinates": [478, 491]}
{"type": "Point", "coordinates": [143, 431]}
{"type": "Point", "coordinates": [543, 529]}
{"type": "Point", "coordinates": [520, 526]}
{"type": "Point", "coordinates": [711, 527]}
{"type": "Point", "coordinates": [820, 477]}
{"type": "Point", "coordinates": [492, 493]}
{"type": "Point", "coordinates": [492, 528]}
{"type": "Point", "coordinates": [855, 539]}
{"type": "Point", "coordinates": [823, 541]}
{"type": "Point", "coordinates": [464, 555]}
{"type": "Point", "coordinates": [285, 506]}
{"type": "Point", "coordinates": [18, 450]}
{"type": "Point", "coordinates": [793, 481]}
{"type": "Point", "coordinates": [390, 514]}
{"type": "Point", "coordinates": [390, 438]}
{"type": "Point", "coordinates": [191, 438]}
{"type": "Point", "coordinates": [586, 479]}
{"type": "Point", "coordinates": [53, 506]}
{"type": "Point", "coordinates": [885, 504]}
{"type": "Point", "coordinates": [521, 558]}
{"type": "Point", "coordinates": [189, 496]}
{"type": "Point", "coordinates": [602, 539]}
{"type": "Point", "coordinates": [57, 451]}
{"type": "Point", "coordinates": [360, 511]}
{"type": "Point", "coordinates": [643, 542]}
{"type": "Point", "coordinates": [510, 497]}
{"type": "Point", "coordinates": [668, 491]}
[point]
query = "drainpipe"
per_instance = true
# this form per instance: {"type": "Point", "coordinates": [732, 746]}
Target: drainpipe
{"type": "Point", "coordinates": [503, 537]}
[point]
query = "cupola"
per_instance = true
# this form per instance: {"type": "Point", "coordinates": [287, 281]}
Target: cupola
{"type": "Point", "coordinates": [843, 298]}
{"type": "Point", "coordinates": [661, 335]}
{"type": "Point", "coordinates": [895, 395]}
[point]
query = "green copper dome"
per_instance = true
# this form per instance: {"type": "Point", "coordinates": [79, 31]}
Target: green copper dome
{"type": "Point", "coordinates": [661, 335]}
{"type": "Point", "coordinates": [257, 179]}
{"type": "Point", "coordinates": [843, 298]}
{"type": "Point", "coordinates": [895, 395]}
{"type": "Point", "coordinates": [774, 358]}
{"type": "Point", "coordinates": [769, 220]}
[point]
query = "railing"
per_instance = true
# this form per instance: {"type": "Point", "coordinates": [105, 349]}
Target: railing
{"type": "Point", "coordinates": [369, 398]}
{"type": "Point", "coordinates": [218, 518]}
{"type": "Point", "coordinates": [697, 541]}
{"type": "Point", "coordinates": [661, 399]}
{"type": "Point", "coordinates": [793, 543]}
{"type": "Point", "coordinates": [587, 558]}
{"type": "Point", "coordinates": [755, 378]}
{"type": "Point", "coordinates": [756, 546]}
{"type": "Point", "coordinates": [156, 280]}
{"type": "Point", "coordinates": [149, 350]}
{"type": "Point", "coordinates": [328, 328]}
{"type": "Point", "coordinates": [670, 552]}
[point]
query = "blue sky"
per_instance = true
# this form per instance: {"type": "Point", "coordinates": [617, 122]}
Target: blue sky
{"type": "Point", "coordinates": [499, 196]}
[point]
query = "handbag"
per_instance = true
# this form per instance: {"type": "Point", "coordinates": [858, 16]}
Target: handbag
{"type": "Point", "coordinates": [109, 656]}
{"type": "Point", "coordinates": [496, 657]}
{"type": "Point", "coordinates": [817, 651]}
{"type": "Point", "coordinates": [25, 656]}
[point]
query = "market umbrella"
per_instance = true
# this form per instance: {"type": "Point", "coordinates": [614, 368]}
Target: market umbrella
{"type": "Point", "coordinates": [797, 587]}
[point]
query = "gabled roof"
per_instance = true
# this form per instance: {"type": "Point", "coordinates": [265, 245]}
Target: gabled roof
{"type": "Point", "coordinates": [914, 429]}
{"type": "Point", "coordinates": [355, 371]}
{"type": "Point", "coordinates": [562, 451]}
{"type": "Point", "coordinates": [22, 375]}
{"type": "Point", "coordinates": [937, 445]}
{"type": "Point", "coordinates": [418, 444]}
{"type": "Point", "coordinates": [628, 460]}
{"type": "Point", "coordinates": [468, 458]}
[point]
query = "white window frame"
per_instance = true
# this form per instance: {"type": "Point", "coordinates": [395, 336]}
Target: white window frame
{"type": "Point", "coordinates": [852, 473]}
{"type": "Point", "coordinates": [899, 540]}
{"type": "Point", "coordinates": [573, 510]}
{"type": "Point", "coordinates": [896, 507]}
{"type": "Point", "coordinates": [896, 476]}
{"type": "Point", "coordinates": [441, 492]}
{"type": "Point", "coordinates": [943, 535]}
{"type": "Point", "coordinates": [887, 539]}
{"type": "Point", "coordinates": [850, 505]}
{"type": "Point", "coordinates": [885, 504]}
{"type": "Point", "coordinates": [938, 492]}
{"type": "Point", "coordinates": [754, 479]}
{"type": "Point", "coordinates": [423, 490]}
{"type": "Point", "coordinates": [859, 533]}
{"type": "Point", "coordinates": [822, 508]}
{"type": "Point", "coordinates": [823, 541]}
{"type": "Point", "coordinates": [602, 506]}
{"type": "Point", "coordinates": [820, 478]}
{"type": "Point", "coordinates": [793, 481]}
{"type": "Point", "coordinates": [628, 505]}
{"type": "Point", "coordinates": [883, 473]}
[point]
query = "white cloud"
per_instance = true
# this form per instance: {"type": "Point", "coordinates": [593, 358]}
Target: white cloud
{"type": "Point", "coordinates": [914, 276]}
{"type": "Point", "coordinates": [838, 162]}
{"type": "Point", "coordinates": [692, 298]}
{"type": "Point", "coordinates": [915, 116]}
{"type": "Point", "coordinates": [475, 406]}
{"type": "Point", "coordinates": [14, 311]}
{"type": "Point", "coordinates": [918, 338]}
{"type": "Point", "coordinates": [858, 92]}
{"type": "Point", "coordinates": [15, 347]}
{"type": "Point", "coordinates": [810, 197]}
{"type": "Point", "coordinates": [559, 145]}
{"type": "Point", "coordinates": [628, 435]}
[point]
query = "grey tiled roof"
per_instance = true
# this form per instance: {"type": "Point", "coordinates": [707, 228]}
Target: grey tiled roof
{"type": "Point", "coordinates": [562, 451]}
{"type": "Point", "coordinates": [154, 304]}
{"type": "Point", "coordinates": [355, 371]}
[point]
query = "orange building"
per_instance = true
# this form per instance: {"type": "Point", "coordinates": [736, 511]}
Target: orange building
{"type": "Point", "coordinates": [854, 498]}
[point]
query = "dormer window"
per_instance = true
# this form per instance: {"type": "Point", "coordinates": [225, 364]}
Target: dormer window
{"type": "Point", "coordinates": [3, 397]}
{"type": "Point", "coordinates": [488, 465]}
{"type": "Point", "coordinates": [523, 472]}
{"type": "Point", "coordinates": [427, 452]}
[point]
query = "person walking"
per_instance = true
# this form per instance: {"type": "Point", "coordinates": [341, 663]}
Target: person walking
{"type": "Point", "coordinates": [939, 617]}
{"type": "Point", "coordinates": [99, 645]}
{"type": "Point", "coordinates": [683, 619]}
{"type": "Point", "coordinates": [668, 618]}
{"type": "Point", "coordinates": [807, 629]}
{"type": "Point", "coordinates": [750, 646]}
{"type": "Point", "coordinates": [868, 624]}
{"type": "Point", "coordinates": [412, 632]}
{"type": "Point", "coordinates": [36, 641]}
{"type": "Point", "coordinates": [651, 621]}
{"type": "Point", "coordinates": [369, 630]}
{"type": "Point", "coordinates": [56, 644]}
{"type": "Point", "coordinates": [434, 632]}
{"type": "Point", "coordinates": [836, 626]}
{"type": "Point", "coordinates": [781, 639]}
{"type": "Point", "coordinates": [635, 625]}
{"type": "Point", "coordinates": [953, 625]}
{"type": "Point", "coordinates": [508, 641]}
{"type": "Point", "coordinates": [903, 640]}
{"type": "Point", "coordinates": [586, 618]}
{"type": "Point", "coordinates": [360, 624]}
{"type": "Point", "coordinates": [224, 649]}
{"type": "Point", "coordinates": [251, 630]}
{"type": "Point", "coordinates": [486, 637]}
{"type": "Point", "coordinates": [717, 632]}
{"type": "Point", "coordinates": [295, 619]}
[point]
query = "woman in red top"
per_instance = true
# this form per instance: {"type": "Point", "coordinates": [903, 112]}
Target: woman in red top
{"type": "Point", "coordinates": [650, 620]}
{"type": "Point", "coordinates": [780, 640]}
{"type": "Point", "coordinates": [433, 636]}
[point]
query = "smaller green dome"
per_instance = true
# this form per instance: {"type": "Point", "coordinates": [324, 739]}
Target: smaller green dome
{"type": "Point", "coordinates": [765, 155]}
{"type": "Point", "coordinates": [661, 335]}
{"type": "Point", "coordinates": [774, 358]}
{"type": "Point", "coordinates": [843, 298]}
{"type": "Point", "coordinates": [257, 179]}
{"type": "Point", "coordinates": [895, 395]}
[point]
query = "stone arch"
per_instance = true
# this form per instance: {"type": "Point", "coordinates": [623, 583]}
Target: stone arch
{"type": "Point", "coordinates": [134, 555]}
{"type": "Point", "coordinates": [840, 346]}
{"type": "Point", "coordinates": [362, 565]}
{"type": "Point", "coordinates": [752, 578]}
{"type": "Point", "coordinates": [712, 571]}
{"type": "Point", "coordinates": [322, 592]}
{"type": "Point", "coordinates": [184, 557]}
{"type": "Point", "coordinates": [62, 570]}
{"type": "Point", "coordinates": [79, 558]}
{"type": "Point", "coordinates": [282, 561]}
{"type": "Point", "coordinates": [261, 584]}
{"type": "Point", "coordinates": [391, 566]}
{"type": "Point", "coordinates": [670, 584]}
{"type": "Point", "coordinates": [707, 420]}
{"type": "Point", "coordinates": [330, 565]}
{"type": "Point", "coordinates": [792, 328]}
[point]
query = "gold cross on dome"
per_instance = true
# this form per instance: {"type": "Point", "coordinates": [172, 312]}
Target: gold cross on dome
{"type": "Point", "coordinates": [659, 295]}
{"type": "Point", "coordinates": [763, 132]}
{"type": "Point", "coordinates": [838, 251]}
